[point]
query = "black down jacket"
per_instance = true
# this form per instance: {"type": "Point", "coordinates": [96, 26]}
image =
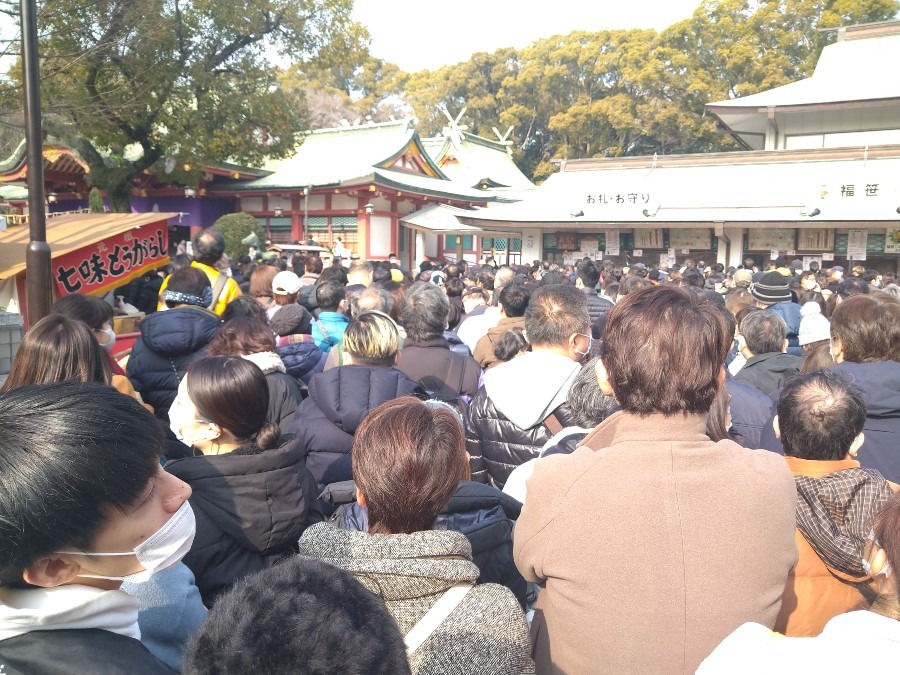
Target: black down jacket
{"type": "Point", "coordinates": [170, 341]}
{"type": "Point", "coordinates": [251, 508]}
{"type": "Point", "coordinates": [481, 512]}
{"type": "Point", "coordinates": [339, 400]}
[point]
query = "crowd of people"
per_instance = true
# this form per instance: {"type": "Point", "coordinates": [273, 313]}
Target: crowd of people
{"type": "Point", "coordinates": [314, 465]}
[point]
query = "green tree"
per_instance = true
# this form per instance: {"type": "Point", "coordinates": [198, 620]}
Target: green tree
{"type": "Point", "coordinates": [236, 226]}
{"type": "Point", "coordinates": [165, 84]}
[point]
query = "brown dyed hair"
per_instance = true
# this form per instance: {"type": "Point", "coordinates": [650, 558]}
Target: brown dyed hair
{"type": "Point", "coordinates": [407, 460]}
{"type": "Point", "coordinates": [868, 327]}
{"type": "Point", "coordinates": [232, 392]}
{"type": "Point", "coordinates": [261, 281]}
{"type": "Point", "coordinates": [663, 349]}
{"type": "Point", "coordinates": [817, 358]}
{"type": "Point", "coordinates": [58, 348]}
{"type": "Point", "coordinates": [242, 335]}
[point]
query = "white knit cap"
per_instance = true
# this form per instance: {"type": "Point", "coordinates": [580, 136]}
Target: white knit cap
{"type": "Point", "coordinates": [813, 326]}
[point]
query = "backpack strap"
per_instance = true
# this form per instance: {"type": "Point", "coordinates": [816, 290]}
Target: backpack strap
{"type": "Point", "coordinates": [324, 332]}
{"type": "Point", "coordinates": [554, 426]}
{"type": "Point", "coordinates": [221, 280]}
{"type": "Point", "coordinates": [435, 616]}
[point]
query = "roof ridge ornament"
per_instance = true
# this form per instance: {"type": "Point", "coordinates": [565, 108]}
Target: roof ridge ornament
{"type": "Point", "coordinates": [454, 131]}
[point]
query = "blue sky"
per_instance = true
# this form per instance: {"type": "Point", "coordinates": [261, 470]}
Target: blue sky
{"type": "Point", "coordinates": [417, 34]}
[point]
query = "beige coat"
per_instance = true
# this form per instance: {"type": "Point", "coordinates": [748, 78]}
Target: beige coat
{"type": "Point", "coordinates": [654, 543]}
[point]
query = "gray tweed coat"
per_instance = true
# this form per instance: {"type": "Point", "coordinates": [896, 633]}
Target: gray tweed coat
{"type": "Point", "coordinates": [485, 635]}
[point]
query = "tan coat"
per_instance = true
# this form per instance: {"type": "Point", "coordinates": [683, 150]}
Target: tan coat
{"type": "Point", "coordinates": [654, 543]}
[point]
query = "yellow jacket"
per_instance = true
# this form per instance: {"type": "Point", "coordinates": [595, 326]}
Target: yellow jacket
{"type": "Point", "coordinates": [229, 292]}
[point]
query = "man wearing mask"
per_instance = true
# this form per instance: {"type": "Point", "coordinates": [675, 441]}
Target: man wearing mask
{"type": "Point", "coordinates": [523, 402]}
{"type": "Point", "coordinates": [108, 514]}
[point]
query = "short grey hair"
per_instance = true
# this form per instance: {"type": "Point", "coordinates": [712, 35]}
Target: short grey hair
{"type": "Point", "coordinates": [588, 404]}
{"type": "Point", "coordinates": [424, 311]}
{"type": "Point", "coordinates": [764, 332]}
{"type": "Point", "coordinates": [376, 299]}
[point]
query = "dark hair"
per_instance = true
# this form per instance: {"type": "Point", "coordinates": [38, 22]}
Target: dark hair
{"type": "Point", "coordinates": [814, 296]}
{"type": "Point", "coordinates": [454, 287]}
{"type": "Point", "coordinates": [336, 273]}
{"type": "Point", "coordinates": [407, 461]}
{"type": "Point", "coordinates": [632, 283]}
{"type": "Point", "coordinates": [313, 264]}
{"type": "Point", "coordinates": [308, 617]}
{"type": "Point", "coordinates": [554, 313]}
{"type": "Point", "coordinates": [485, 277]}
{"type": "Point", "coordinates": [68, 452]}
{"type": "Point", "coordinates": [589, 405]}
{"type": "Point", "coordinates": [589, 274]}
{"type": "Point", "coordinates": [717, 422]}
{"type": "Point", "coordinates": [58, 348]}
{"type": "Point", "coordinates": [89, 309]}
{"type": "Point", "coordinates": [176, 262]}
{"type": "Point", "coordinates": [244, 306]}
{"type": "Point", "coordinates": [692, 277]}
{"type": "Point", "coordinates": [475, 290]}
{"type": "Point", "coordinates": [510, 344]}
{"type": "Point", "coordinates": [329, 295]}
{"type": "Point", "coordinates": [764, 332]}
{"type": "Point", "coordinates": [663, 349]}
{"type": "Point", "coordinates": [851, 286]}
{"type": "Point", "coordinates": [187, 280]}
{"type": "Point", "coordinates": [514, 298]}
{"type": "Point", "coordinates": [208, 246]}
{"type": "Point", "coordinates": [232, 392]}
{"type": "Point", "coordinates": [243, 335]}
{"type": "Point", "coordinates": [868, 327]}
{"type": "Point", "coordinates": [424, 311]}
{"type": "Point", "coordinates": [820, 414]}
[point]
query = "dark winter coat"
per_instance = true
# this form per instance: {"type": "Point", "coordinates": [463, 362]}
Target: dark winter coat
{"type": "Point", "coordinates": [89, 650]}
{"type": "Point", "coordinates": [434, 359]}
{"type": "Point", "coordinates": [751, 411]}
{"type": "Point", "coordinates": [284, 397]}
{"type": "Point", "coordinates": [769, 372]}
{"type": "Point", "coordinates": [505, 421]}
{"type": "Point", "coordinates": [481, 512]}
{"type": "Point", "coordinates": [597, 306]}
{"type": "Point", "coordinates": [170, 341]}
{"type": "Point", "coordinates": [339, 400]}
{"type": "Point", "coordinates": [301, 356]}
{"type": "Point", "coordinates": [251, 507]}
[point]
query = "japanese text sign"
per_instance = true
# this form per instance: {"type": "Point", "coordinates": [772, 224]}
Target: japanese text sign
{"type": "Point", "coordinates": [112, 262]}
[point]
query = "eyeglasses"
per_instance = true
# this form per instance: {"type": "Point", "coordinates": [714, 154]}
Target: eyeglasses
{"type": "Point", "coordinates": [869, 551]}
{"type": "Point", "coordinates": [590, 347]}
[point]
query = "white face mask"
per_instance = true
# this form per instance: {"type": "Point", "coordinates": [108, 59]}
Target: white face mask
{"type": "Point", "coordinates": [158, 552]}
{"type": "Point", "coordinates": [112, 338]}
{"type": "Point", "coordinates": [180, 418]}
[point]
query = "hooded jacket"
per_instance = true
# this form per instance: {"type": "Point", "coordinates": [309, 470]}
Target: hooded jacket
{"type": "Point", "coordinates": [250, 505]}
{"type": "Point", "coordinates": [504, 422]}
{"type": "Point", "coordinates": [486, 634]}
{"type": "Point", "coordinates": [170, 341]}
{"type": "Point", "coordinates": [72, 629]}
{"type": "Point", "coordinates": [770, 372]}
{"type": "Point", "coordinates": [481, 512]}
{"type": "Point", "coordinates": [837, 502]}
{"type": "Point", "coordinates": [335, 324]}
{"type": "Point", "coordinates": [339, 400]}
{"type": "Point", "coordinates": [284, 392]}
{"type": "Point", "coordinates": [301, 356]}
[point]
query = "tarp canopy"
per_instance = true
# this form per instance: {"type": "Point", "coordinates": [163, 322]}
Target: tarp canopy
{"type": "Point", "coordinates": [442, 219]}
{"type": "Point", "coordinates": [70, 233]}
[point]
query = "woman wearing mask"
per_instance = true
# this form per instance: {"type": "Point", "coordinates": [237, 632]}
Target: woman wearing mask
{"type": "Point", "coordinates": [854, 642]}
{"type": "Point", "coordinates": [58, 348]}
{"type": "Point", "coordinates": [252, 493]}
{"type": "Point", "coordinates": [108, 514]}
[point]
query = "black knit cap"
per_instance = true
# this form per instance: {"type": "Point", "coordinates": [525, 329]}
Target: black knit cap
{"type": "Point", "coordinates": [772, 288]}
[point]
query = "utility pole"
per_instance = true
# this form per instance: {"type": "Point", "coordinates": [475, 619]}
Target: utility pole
{"type": "Point", "coordinates": [37, 254]}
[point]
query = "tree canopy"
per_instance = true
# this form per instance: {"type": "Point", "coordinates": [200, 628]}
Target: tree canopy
{"type": "Point", "coordinates": [167, 85]}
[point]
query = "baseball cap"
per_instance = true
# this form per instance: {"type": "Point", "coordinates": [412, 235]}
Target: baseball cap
{"type": "Point", "coordinates": [285, 283]}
